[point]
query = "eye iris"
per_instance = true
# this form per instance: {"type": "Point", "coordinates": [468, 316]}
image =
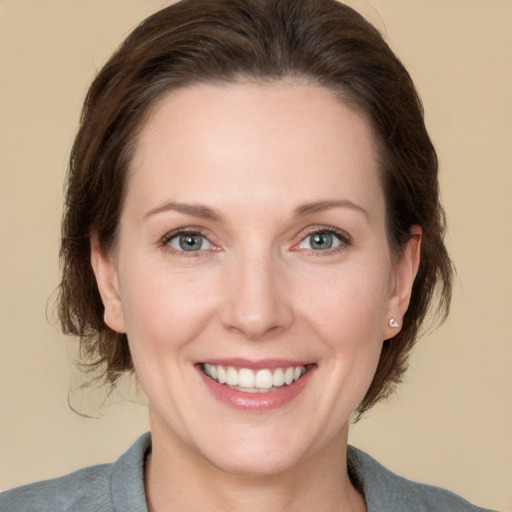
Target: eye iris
{"type": "Point", "coordinates": [190, 242]}
{"type": "Point", "coordinates": [321, 241]}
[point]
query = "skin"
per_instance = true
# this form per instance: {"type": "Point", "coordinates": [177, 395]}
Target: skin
{"type": "Point", "coordinates": [252, 156]}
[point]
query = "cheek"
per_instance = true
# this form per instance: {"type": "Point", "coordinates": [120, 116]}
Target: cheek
{"type": "Point", "coordinates": [348, 305]}
{"type": "Point", "coordinates": [163, 308]}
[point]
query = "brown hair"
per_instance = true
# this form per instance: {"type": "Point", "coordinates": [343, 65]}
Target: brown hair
{"type": "Point", "coordinates": [219, 41]}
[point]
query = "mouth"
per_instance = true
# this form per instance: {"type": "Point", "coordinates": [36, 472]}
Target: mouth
{"type": "Point", "coordinates": [261, 380]}
{"type": "Point", "coordinates": [256, 386]}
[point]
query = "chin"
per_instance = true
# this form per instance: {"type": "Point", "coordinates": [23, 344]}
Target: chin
{"type": "Point", "coordinates": [256, 463]}
{"type": "Point", "coordinates": [260, 455]}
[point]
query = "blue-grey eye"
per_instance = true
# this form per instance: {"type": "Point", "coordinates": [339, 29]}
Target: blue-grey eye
{"type": "Point", "coordinates": [320, 241]}
{"type": "Point", "coordinates": [189, 242]}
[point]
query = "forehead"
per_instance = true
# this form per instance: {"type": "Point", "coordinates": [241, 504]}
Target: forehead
{"type": "Point", "coordinates": [247, 139]}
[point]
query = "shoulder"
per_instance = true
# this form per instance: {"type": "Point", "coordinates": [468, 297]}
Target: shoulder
{"type": "Point", "coordinates": [385, 491]}
{"type": "Point", "coordinates": [86, 489]}
{"type": "Point", "coordinates": [102, 488]}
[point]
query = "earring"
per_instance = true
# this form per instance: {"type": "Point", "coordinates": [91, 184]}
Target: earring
{"type": "Point", "coordinates": [393, 323]}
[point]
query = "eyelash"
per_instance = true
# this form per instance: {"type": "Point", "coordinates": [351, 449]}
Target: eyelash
{"type": "Point", "coordinates": [179, 232]}
{"type": "Point", "coordinates": [343, 238]}
{"type": "Point", "coordinates": [344, 241]}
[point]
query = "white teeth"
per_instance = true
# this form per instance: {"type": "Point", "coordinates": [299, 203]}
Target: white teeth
{"type": "Point", "coordinates": [221, 375]}
{"type": "Point", "coordinates": [246, 378]}
{"type": "Point", "coordinates": [288, 376]}
{"type": "Point", "coordinates": [264, 379]}
{"type": "Point", "coordinates": [248, 390]}
{"type": "Point", "coordinates": [278, 377]}
{"type": "Point", "coordinates": [232, 377]}
{"type": "Point", "coordinates": [254, 381]}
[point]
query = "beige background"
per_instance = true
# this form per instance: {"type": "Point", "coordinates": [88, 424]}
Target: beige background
{"type": "Point", "coordinates": [450, 423]}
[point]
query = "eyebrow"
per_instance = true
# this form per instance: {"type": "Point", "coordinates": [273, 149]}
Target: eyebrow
{"type": "Point", "coordinates": [195, 210]}
{"type": "Point", "coordinates": [204, 212]}
{"type": "Point", "coordinates": [310, 208]}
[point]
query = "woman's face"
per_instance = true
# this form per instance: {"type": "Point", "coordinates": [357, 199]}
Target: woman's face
{"type": "Point", "coordinates": [252, 248]}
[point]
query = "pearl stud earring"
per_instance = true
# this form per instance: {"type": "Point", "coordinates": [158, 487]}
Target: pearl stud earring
{"type": "Point", "coordinates": [393, 323]}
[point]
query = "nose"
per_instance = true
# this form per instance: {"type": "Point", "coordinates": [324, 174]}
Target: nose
{"type": "Point", "coordinates": [257, 304]}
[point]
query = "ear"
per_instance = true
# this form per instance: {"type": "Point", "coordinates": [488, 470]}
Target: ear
{"type": "Point", "coordinates": [405, 272]}
{"type": "Point", "coordinates": [108, 285]}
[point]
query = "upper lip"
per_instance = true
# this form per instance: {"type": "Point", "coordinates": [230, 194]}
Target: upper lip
{"type": "Point", "coordinates": [256, 364]}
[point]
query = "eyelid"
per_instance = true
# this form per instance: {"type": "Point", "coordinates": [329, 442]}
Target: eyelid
{"type": "Point", "coordinates": [344, 238]}
{"type": "Point", "coordinates": [192, 230]}
{"type": "Point", "coordinates": [181, 231]}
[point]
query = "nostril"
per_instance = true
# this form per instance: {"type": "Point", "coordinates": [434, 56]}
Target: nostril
{"type": "Point", "coordinates": [254, 331]}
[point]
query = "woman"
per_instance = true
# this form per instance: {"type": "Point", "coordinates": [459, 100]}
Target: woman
{"type": "Point", "coordinates": [252, 227]}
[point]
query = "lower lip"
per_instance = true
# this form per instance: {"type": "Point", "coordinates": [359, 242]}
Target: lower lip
{"type": "Point", "coordinates": [259, 402]}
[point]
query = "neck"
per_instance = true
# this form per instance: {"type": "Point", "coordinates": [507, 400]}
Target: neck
{"type": "Point", "coordinates": [178, 478]}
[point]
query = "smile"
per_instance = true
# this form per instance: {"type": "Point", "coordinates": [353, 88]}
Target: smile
{"type": "Point", "coordinates": [254, 381]}
{"type": "Point", "coordinates": [256, 386]}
